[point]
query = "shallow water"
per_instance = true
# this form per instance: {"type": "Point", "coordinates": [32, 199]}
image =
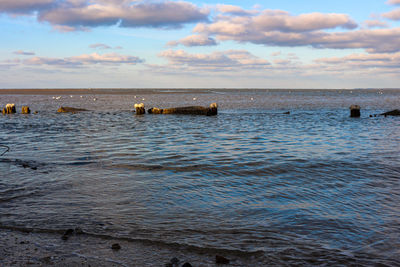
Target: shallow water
{"type": "Point", "coordinates": [312, 187]}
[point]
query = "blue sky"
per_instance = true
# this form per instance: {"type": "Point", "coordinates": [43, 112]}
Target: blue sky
{"type": "Point", "coordinates": [199, 44]}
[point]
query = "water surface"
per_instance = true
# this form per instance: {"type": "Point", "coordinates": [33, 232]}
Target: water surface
{"type": "Point", "coordinates": [310, 187]}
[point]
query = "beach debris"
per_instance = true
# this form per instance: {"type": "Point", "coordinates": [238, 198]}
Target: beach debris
{"type": "Point", "coordinates": [395, 112]}
{"type": "Point", "coordinates": [25, 110]}
{"type": "Point", "coordinates": [70, 109]}
{"type": "Point", "coordinates": [140, 109]}
{"type": "Point", "coordinates": [221, 260]}
{"type": "Point", "coordinates": [115, 246]}
{"type": "Point", "coordinates": [191, 110]}
{"type": "Point", "coordinates": [9, 109]}
{"type": "Point", "coordinates": [355, 111]}
{"type": "Point", "coordinates": [186, 264]}
{"type": "Point", "coordinates": [67, 234]}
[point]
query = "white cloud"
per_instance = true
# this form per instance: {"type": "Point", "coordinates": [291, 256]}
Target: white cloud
{"type": "Point", "coordinates": [86, 59]}
{"type": "Point", "coordinates": [216, 61]}
{"type": "Point", "coordinates": [24, 6]}
{"type": "Point", "coordinates": [235, 10]}
{"type": "Point", "coordinates": [194, 40]}
{"type": "Point", "coordinates": [393, 15]}
{"type": "Point", "coordinates": [375, 24]}
{"type": "Point", "coordinates": [100, 46]}
{"type": "Point", "coordinates": [70, 15]}
{"type": "Point", "coordinates": [124, 13]}
{"type": "Point", "coordinates": [393, 2]}
{"type": "Point", "coordinates": [279, 28]}
{"type": "Point", "coordinates": [24, 53]}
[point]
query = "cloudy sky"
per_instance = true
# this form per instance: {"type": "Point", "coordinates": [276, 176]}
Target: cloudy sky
{"type": "Point", "coordinates": [199, 44]}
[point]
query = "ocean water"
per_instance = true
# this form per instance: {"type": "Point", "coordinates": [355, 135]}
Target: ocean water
{"type": "Point", "coordinates": [313, 187]}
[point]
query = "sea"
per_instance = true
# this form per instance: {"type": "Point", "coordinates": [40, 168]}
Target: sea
{"type": "Point", "coordinates": [279, 177]}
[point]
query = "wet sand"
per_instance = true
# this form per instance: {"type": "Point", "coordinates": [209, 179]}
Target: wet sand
{"type": "Point", "coordinates": [26, 248]}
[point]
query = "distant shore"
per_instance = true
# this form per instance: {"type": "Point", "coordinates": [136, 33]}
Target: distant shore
{"type": "Point", "coordinates": [97, 91]}
{"type": "Point", "coordinates": [143, 91]}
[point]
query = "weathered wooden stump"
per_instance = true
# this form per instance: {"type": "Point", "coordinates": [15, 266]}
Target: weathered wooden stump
{"type": "Point", "coordinates": [25, 110]}
{"type": "Point", "coordinates": [9, 109]}
{"type": "Point", "coordinates": [140, 109]}
{"type": "Point", "coordinates": [355, 111]}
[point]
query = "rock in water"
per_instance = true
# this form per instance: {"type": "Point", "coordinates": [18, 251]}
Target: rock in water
{"type": "Point", "coordinates": [115, 246]}
{"type": "Point", "coordinates": [25, 110]}
{"type": "Point", "coordinates": [67, 234]}
{"type": "Point", "coordinates": [69, 109]}
{"type": "Point", "coordinates": [221, 260]}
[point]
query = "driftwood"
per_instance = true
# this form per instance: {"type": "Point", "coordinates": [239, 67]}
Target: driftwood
{"type": "Point", "coordinates": [69, 109]}
{"type": "Point", "coordinates": [395, 112]}
{"type": "Point", "coordinates": [191, 110]}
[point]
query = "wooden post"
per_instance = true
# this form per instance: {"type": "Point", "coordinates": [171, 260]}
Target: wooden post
{"type": "Point", "coordinates": [140, 109]}
{"type": "Point", "coordinates": [9, 109]}
{"type": "Point", "coordinates": [355, 111]}
{"type": "Point", "coordinates": [25, 110]}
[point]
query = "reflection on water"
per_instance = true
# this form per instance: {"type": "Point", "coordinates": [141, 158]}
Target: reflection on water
{"type": "Point", "coordinates": [312, 184]}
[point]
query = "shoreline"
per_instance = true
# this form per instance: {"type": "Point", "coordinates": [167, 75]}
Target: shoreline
{"type": "Point", "coordinates": [27, 247]}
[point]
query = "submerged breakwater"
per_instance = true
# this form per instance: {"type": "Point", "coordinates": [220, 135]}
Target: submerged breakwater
{"type": "Point", "coordinates": [310, 187]}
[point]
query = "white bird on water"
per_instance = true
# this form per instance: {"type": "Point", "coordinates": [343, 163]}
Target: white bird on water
{"type": "Point", "coordinates": [194, 99]}
{"type": "Point", "coordinates": [58, 97]}
{"type": "Point", "coordinates": [94, 99]}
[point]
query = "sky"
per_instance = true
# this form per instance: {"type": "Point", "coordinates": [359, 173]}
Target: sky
{"type": "Point", "coordinates": [199, 44]}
